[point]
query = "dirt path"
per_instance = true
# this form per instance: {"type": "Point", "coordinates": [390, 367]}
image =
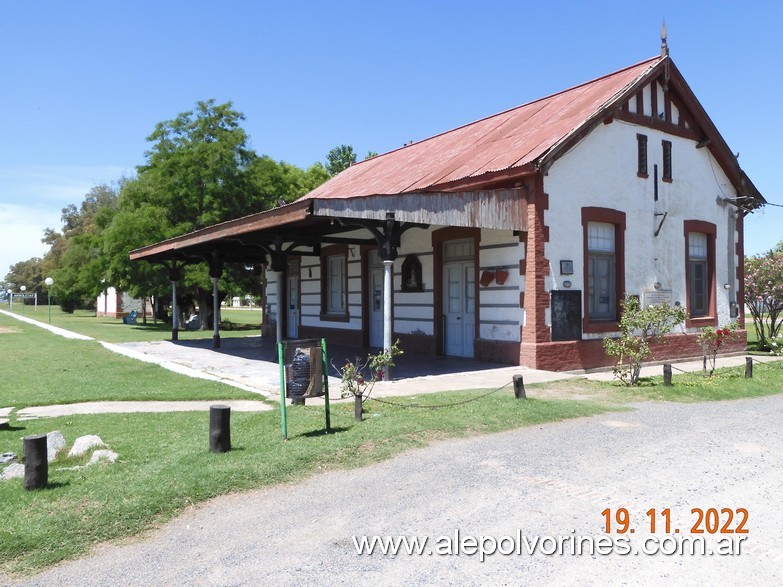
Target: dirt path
{"type": "Point", "coordinates": [551, 480]}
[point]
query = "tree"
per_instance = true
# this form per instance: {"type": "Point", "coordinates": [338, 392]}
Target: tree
{"type": "Point", "coordinates": [764, 294]}
{"type": "Point", "coordinates": [339, 158]}
{"type": "Point", "coordinates": [198, 167]}
{"type": "Point", "coordinates": [199, 171]}
{"type": "Point", "coordinates": [638, 328]}
{"type": "Point", "coordinates": [370, 155]}
{"type": "Point", "coordinates": [76, 258]}
{"type": "Point", "coordinates": [27, 273]}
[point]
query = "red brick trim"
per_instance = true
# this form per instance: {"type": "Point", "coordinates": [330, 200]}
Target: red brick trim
{"type": "Point", "coordinates": [617, 218]}
{"type": "Point", "coordinates": [590, 354]}
{"type": "Point", "coordinates": [708, 228]}
{"type": "Point", "coordinates": [536, 298]}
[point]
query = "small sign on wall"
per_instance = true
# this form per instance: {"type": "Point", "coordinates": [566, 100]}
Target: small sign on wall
{"type": "Point", "coordinates": [655, 297]}
{"type": "Point", "coordinates": [566, 267]}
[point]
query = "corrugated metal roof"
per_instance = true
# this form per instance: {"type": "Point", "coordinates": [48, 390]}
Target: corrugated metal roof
{"type": "Point", "coordinates": [505, 141]}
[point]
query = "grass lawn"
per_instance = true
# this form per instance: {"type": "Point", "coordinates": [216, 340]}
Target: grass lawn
{"type": "Point", "coordinates": [726, 384]}
{"type": "Point", "coordinates": [234, 323]}
{"type": "Point", "coordinates": [40, 368]}
{"type": "Point", "coordinates": [165, 464]}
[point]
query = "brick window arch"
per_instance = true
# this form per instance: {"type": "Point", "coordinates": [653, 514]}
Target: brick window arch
{"type": "Point", "coordinates": [603, 248]}
{"type": "Point", "coordinates": [700, 293]}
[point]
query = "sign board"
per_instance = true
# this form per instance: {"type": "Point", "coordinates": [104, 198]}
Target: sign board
{"type": "Point", "coordinates": [655, 297]}
{"type": "Point", "coordinates": [566, 314]}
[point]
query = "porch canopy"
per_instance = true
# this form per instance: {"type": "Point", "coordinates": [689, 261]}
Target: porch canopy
{"type": "Point", "coordinates": [303, 227]}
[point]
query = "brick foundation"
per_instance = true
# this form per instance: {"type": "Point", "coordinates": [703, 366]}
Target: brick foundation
{"type": "Point", "coordinates": [589, 354]}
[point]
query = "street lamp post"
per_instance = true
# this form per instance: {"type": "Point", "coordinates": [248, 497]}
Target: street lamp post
{"type": "Point", "coordinates": [49, 281]}
{"type": "Point", "coordinates": [22, 288]}
{"type": "Point", "coordinates": [10, 293]}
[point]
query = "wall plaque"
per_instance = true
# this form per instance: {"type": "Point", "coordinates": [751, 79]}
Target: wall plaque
{"type": "Point", "coordinates": [655, 297]}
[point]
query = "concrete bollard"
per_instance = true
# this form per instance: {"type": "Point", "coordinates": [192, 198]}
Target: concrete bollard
{"type": "Point", "coordinates": [748, 367]}
{"type": "Point", "coordinates": [36, 463]}
{"type": "Point", "coordinates": [667, 374]}
{"type": "Point", "coordinates": [358, 410]}
{"type": "Point", "coordinates": [519, 387]}
{"type": "Point", "coordinates": [219, 428]}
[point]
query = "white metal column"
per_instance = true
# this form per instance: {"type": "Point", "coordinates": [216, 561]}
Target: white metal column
{"type": "Point", "coordinates": [388, 269]}
{"type": "Point", "coordinates": [279, 303]}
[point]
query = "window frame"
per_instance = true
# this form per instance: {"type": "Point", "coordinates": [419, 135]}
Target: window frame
{"type": "Point", "coordinates": [666, 149]}
{"type": "Point", "coordinates": [593, 256]}
{"type": "Point", "coordinates": [710, 230]}
{"type": "Point", "coordinates": [641, 156]}
{"type": "Point", "coordinates": [617, 219]}
{"type": "Point", "coordinates": [327, 254]}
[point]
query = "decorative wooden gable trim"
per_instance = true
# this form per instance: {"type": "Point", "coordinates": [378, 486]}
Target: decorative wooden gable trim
{"type": "Point", "coordinates": [658, 107]}
{"type": "Point", "coordinates": [683, 115]}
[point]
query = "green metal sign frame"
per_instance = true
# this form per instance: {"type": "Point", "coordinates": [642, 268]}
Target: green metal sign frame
{"type": "Point", "coordinates": [283, 410]}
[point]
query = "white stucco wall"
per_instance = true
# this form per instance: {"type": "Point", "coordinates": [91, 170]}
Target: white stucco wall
{"type": "Point", "coordinates": [602, 171]}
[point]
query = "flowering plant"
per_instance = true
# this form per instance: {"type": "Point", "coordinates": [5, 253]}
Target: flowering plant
{"type": "Point", "coordinates": [711, 341]}
{"type": "Point", "coordinates": [358, 377]}
{"type": "Point", "coordinates": [764, 295]}
{"type": "Point", "coordinates": [777, 345]}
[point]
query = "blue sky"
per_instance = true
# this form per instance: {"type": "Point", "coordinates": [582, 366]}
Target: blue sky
{"type": "Point", "coordinates": [84, 83]}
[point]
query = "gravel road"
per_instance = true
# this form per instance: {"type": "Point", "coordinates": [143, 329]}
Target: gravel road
{"type": "Point", "coordinates": [550, 480]}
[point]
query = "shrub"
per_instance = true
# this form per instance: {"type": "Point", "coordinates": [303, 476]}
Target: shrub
{"type": "Point", "coordinates": [638, 328]}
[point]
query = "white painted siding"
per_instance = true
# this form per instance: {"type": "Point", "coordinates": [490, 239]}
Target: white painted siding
{"type": "Point", "coordinates": [413, 311]}
{"type": "Point", "coordinates": [500, 315]}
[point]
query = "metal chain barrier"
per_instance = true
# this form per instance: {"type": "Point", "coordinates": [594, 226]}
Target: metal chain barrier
{"type": "Point", "coordinates": [437, 406]}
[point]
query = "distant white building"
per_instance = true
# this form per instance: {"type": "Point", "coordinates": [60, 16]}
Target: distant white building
{"type": "Point", "coordinates": [116, 304]}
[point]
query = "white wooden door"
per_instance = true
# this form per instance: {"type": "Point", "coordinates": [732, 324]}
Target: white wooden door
{"type": "Point", "coordinates": [376, 307]}
{"type": "Point", "coordinates": [293, 301]}
{"type": "Point", "coordinates": [459, 303]}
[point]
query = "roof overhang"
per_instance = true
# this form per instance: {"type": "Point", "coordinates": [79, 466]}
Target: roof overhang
{"type": "Point", "coordinates": [305, 225]}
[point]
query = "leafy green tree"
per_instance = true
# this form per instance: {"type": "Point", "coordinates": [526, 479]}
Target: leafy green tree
{"type": "Point", "coordinates": [198, 165]}
{"type": "Point", "coordinates": [638, 328]}
{"type": "Point", "coordinates": [370, 155]}
{"type": "Point", "coordinates": [339, 158]}
{"type": "Point", "coordinates": [198, 171]}
{"type": "Point", "coordinates": [75, 259]}
{"type": "Point", "coordinates": [763, 295]}
{"type": "Point", "coordinates": [27, 273]}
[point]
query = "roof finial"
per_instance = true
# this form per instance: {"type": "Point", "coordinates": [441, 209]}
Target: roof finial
{"type": "Point", "coordinates": [664, 44]}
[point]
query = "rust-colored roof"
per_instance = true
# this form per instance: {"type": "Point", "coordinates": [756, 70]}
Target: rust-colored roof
{"type": "Point", "coordinates": [507, 141]}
